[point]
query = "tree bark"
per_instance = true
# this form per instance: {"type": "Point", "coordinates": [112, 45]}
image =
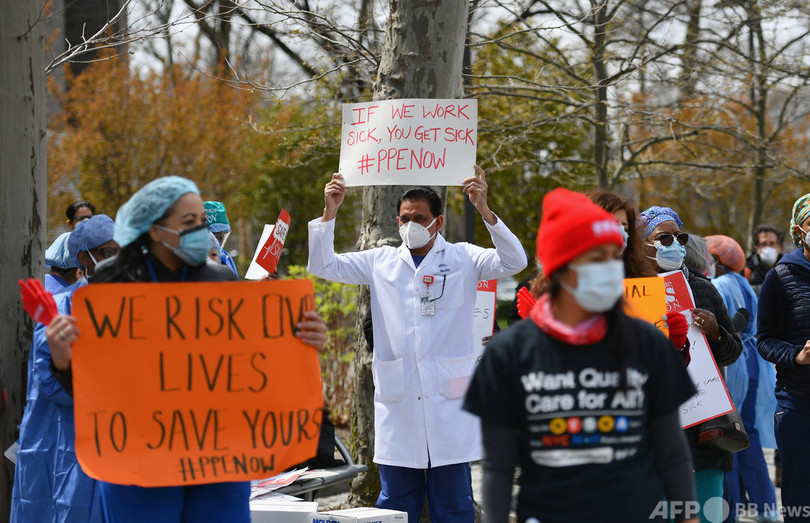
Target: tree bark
{"type": "Point", "coordinates": [421, 58]}
{"type": "Point", "coordinates": [22, 200]}
{"type": "Point", "coordinates": [600, 118]}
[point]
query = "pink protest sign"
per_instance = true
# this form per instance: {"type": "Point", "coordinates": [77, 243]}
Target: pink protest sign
{"type": "Point", "coordinates": [409, 142]}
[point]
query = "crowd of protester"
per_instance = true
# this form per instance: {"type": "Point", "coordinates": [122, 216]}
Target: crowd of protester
{"type": "Point", "coordinates": [754, 312]}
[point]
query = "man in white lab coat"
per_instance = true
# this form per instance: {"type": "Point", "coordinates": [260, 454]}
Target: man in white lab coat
{"type": "Point", "coordinates": [422, 299]}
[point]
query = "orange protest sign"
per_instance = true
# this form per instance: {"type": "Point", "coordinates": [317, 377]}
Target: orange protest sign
{"type": "Point", "coordinates": [186, 383]}
{"type": "Point", "coordinates": [645, 298]}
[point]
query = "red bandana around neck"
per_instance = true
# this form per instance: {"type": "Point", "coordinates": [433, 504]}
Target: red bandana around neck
{"type": "Point", "coordinates": [586, 332]}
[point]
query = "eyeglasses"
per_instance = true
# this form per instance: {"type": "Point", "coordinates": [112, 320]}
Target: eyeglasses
{"type": "Point", "coordinates": [666, 239]}
{"type": "Point", "coordinates": [106, 252]}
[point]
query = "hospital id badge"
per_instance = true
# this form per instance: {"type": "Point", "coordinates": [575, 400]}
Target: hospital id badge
{"type": "Point", "coordinates": [428, 306]}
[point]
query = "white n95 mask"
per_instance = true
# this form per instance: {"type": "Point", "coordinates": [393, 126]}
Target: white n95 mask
{"type": "Point", "coordinates": [768, 256]}
{"type": "Point", "coordinates": [415, 235]}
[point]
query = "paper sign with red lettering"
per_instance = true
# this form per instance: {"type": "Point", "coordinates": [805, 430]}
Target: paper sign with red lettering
{"type": "Point", "coordinates": [712, 398]}
{"type": "Point", "coordinates": [409, 142]}
{"type": "Point", "coordinates": [188, 383]}
{"type": "Point", "coordinates": [484, 312]}
{"type": "Point", "coordinates": [271, 250]}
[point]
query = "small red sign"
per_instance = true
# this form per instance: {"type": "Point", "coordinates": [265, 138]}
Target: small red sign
{"type": "Point", "coordinates": [271, 250]}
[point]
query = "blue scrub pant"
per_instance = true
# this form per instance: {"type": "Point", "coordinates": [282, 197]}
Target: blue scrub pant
{"type": "Point", "coordinates": [791, 427]}
{"type": "Point", "coordinates": [709, 486]}
{"type": "Point", "coordinates": [448, 489]}
{"type": "Point", "coordinates": [750, 469]}
{"type": "Point", "coordinates": [214, 502]}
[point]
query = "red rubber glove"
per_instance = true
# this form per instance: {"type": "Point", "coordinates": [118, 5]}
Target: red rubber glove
{"type": "Point", "coordinates": [676, 323]}
{"type": "Point", "coordinates": [525, 302]}
{"type": "Point", "coordinates": [37, 302]}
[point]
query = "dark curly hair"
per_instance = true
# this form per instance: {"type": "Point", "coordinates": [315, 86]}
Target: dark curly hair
{"type": "Point", "coordinates": [636, 262]}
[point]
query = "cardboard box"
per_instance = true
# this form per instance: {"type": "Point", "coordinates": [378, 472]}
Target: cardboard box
{"type": "Point", "coordinates": [361, 515]}
{"type": "Point", "coordinates": [282, 511]}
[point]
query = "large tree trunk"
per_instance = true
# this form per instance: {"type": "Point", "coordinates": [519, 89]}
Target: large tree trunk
{"type": "Point", "coordinates": [422, 58]}
{"type": "Point", "coordinates": [22, 204]}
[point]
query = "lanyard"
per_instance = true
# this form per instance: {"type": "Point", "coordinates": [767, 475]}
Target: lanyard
{"type": "Point", "coordinates": [153, 274]}
{"type": "Point", "coordinates": [428, 280]}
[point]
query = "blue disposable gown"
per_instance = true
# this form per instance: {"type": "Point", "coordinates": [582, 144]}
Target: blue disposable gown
{"type": "Point", "coordinates": [54, 283]}
{"type": "Point", "coordinates": [737, 293]}
{"type": "Point", "coordinates": [49, 484]}
{"type": "Point", "coordinates": [226, 259]}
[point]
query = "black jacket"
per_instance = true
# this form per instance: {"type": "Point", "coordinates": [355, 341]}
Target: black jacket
{"type": "Point", "coordinates": [783, 322]}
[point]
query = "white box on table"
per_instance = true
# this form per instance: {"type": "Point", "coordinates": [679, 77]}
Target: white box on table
{"type": "Point", "coordinates": [360, 515]}
{"type": "Point", "coordinates": [282, 511]}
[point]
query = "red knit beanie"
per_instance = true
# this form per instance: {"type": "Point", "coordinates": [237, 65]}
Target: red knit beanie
{"type": "Point", "coordinates": [571, 225]}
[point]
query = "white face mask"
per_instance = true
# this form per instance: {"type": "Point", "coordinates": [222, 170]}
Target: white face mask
{"type": "Point", "coordinates": [768, 256]}
{"type": "Point", "coordinates": [599, 285]}
{"type": "Point", "coordinates": [415, 235]}
{"type": "Point", "coordinates": [712, 271]}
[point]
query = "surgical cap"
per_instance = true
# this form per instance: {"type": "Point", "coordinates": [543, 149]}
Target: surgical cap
{"type": "Point", "coordinates": [89, 234]}
{"type": "Point", "coordinates": [655, 216]}
{"type": "Point", "coordinates": [727, 251]}
{"type": "Point", "coordinates": [58, 254]}
{"type": "Point", "coordinates": [801, 211]}
{"type": "Point", "coordinates": [214, 242]}
{"type": "Point", "coordinates": [216, 218]}
{"type": "Point", "coordinates": [148, 205]}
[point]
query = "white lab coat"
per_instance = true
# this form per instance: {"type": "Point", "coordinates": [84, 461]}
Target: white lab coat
{"type": "Point", "coordinates": [422, 364]}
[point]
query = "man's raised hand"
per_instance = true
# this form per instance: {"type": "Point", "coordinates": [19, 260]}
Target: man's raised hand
{"type": "Point", "coordinates": [333, 195]}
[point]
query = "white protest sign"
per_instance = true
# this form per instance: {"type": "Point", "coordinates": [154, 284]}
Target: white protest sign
{"type": "Point", "coordinates": [255, 271]}
{"type": "Point", "coordinates": [484, 313]}
{"type": "Point", "coordinates": [712, 398]}
{"type": "Point", "coordinates": [409, 142]}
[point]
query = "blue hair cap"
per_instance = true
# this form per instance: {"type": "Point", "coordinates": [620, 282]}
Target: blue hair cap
{"type": "Point", "coordinates": [89, 234]}
{"type": "Point", "coordinates": [655, 216]}
{"type": "Point", "coordinates": [148, 205]}
{"type": "Point", "coordinates": [58, 254]}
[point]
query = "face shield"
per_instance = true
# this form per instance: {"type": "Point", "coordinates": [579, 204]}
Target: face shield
{"type": "Point", "coordinates": [222, 237]}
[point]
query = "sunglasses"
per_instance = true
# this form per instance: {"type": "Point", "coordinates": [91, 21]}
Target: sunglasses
{"type": "Point", "coordinates": [666, 239]}
{"type": "Point", "coordinates": [106, 252]}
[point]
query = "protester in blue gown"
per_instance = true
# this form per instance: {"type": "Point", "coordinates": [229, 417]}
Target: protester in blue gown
{"type": "Point", "coordinates": [59, 263]}
{"type": "Point", "coordinates": [49, 484]}
{"type": "Point", "coordinates": [217, 220]}
{"type": "Point", "coordinates": [757, 404]}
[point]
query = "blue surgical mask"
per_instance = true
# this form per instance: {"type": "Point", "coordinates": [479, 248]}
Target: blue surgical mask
{"type": "Point", "coordinates": [194, 244]}
{"type": "Point", "coordinates": [669, 257]}
{"type": "Point", "coordinates": [626, 237]}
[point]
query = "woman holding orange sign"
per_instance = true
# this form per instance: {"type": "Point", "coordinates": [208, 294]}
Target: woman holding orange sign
{"type": "Point", "coordinates": [164, 238]}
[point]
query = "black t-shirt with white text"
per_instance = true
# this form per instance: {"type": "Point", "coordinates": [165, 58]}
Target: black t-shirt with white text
{"type": "Point", "coordinates": [585, 453]}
